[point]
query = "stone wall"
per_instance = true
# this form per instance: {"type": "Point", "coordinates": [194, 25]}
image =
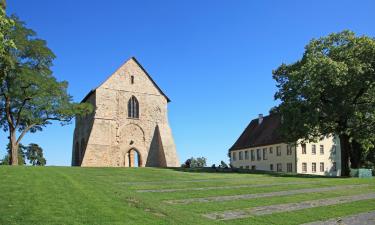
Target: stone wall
{"type": "Point", "coordinates": [110, 134]}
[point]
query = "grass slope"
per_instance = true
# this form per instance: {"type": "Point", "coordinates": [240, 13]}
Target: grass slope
{"type": "Point", "coordinates": [63, 195]}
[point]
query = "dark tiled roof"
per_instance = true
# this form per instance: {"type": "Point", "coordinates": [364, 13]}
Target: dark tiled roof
{"type": "Point", "coordinates": [256, 134]}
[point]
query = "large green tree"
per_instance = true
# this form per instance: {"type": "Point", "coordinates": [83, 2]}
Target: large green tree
{"type": "Point", "coordinates": [21, 155]}
{"type": "Point", "coordinates": [34, 153]}
{"type": "Point", "coordinates": [6, 43]}
{"type": "Point", "coordinates": [330, 90]}
{"type": "Point", "coordinates": [30, 96]}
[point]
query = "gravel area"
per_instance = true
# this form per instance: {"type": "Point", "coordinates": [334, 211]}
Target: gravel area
{"type": "Point", "coordinates": [262, 195]}
{"type": "Point", "coordinates": [367, 218]}
{"type": "Point", "coordinates": [265, 210]}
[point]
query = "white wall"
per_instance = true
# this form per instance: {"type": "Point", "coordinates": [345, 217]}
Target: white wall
{"type": "Point", "coordinates": [271, 158]}
{"type": "Point", "coordinates": [327, 158]}
{"type": "Point", "coordinates": [296, 158]}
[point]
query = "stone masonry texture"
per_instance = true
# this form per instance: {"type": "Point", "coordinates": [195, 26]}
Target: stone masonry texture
{"type": "Point", "coordinates": [109, 138]}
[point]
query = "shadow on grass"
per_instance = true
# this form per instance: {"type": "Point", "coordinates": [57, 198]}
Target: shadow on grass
{"type": "Point", "coordinates": [248, 171]}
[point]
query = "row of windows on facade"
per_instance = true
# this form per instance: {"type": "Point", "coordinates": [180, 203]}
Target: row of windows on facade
{"type": "Point", "coordinates": [289, 167]}
{"type": "Point", "coordinates": [313, 149]}
{"type": "Point", "coordinates": [313, 167]}
{"type": "Point", "coordinates": [279, 167]}
{"type": "Point", "coordinates": [259, 153]}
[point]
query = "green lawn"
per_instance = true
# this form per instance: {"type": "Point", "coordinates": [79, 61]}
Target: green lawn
{"type": "Point", "coordinates": [62, 195]}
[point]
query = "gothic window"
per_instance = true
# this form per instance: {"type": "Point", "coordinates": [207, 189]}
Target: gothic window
{"type": "Point", "coordinates": [133, 108]}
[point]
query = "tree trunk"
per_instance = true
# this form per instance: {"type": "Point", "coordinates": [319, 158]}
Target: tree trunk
{"type": "Point", "coordinates": [13, 149]}
{"type": "Point", "coordinates": [345, 150]}
{"type": "Point", "coordinates": [355, 155]}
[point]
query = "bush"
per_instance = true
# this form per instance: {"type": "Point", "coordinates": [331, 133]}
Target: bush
{"type": "Point", "coordinates": [199, 162]}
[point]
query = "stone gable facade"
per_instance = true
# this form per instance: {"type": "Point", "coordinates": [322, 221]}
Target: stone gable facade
{"type": "Point", "coordinates": [130, 118]}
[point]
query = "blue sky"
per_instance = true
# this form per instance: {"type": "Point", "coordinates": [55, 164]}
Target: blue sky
{"type": "Point", "coordinates": [213, 58]}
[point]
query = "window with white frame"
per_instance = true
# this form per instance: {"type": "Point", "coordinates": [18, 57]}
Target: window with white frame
{"type": "Point", "coordinates": [246, 155]}
{"type": "Point", "coordinates": [279, 167]}
{"type": "Point", "coordinates": [289, 167]}
{"type": "Point", "coordinates": [322, 149]}
{"type": "Point", "coordinates": [278, 150]}
{"type": "Point", "coordinates": [313, 167]}
{"type": "Point", "coordinates": [313, 149]}
{"type": "Point", "coordinates": [264, 153]}
{"type": "Point", "coordinates": [240, 155]}
{"type": "Point", "coordinates": [303, 146]}
{"type": "Point", "coordinates": [259, 156]}
{"type": "Point", "coordinates": [322, 167]}
{"type": "Point", "coordinates": [234, 156]}
{"type": "Point", "coordinates": [289, 150]}
{"type": "Point", "coordinates": [271, 167]}
{"type": "Point", "coordinates": [304, 167]}
{"type": "Point", "coordinates": [252, 155]}
{"type": "Point", "coordinates": [271, 150]}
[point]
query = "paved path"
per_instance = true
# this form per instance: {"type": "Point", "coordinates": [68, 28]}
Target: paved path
{"type": "Point", "coordinates": [225, 187]}
{"type": "Point", "coordinates": [262, 195]}
{"type": "Point", "coordinates": [199, 180]}
{"type": "Point", "coordinates": [265, 210]}
{"type": "Point", "coordinates": [367, 218]}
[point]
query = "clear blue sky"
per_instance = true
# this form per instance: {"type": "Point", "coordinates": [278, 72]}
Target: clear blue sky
{"type": "Point", "coordinates": [214, 59]}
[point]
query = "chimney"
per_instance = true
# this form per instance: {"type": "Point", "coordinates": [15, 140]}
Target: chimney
{"type": "Point", "coordinates": [260, 119]}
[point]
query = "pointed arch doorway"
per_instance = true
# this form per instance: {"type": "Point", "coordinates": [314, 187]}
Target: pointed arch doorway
{"type": "Point", "coordinates": [133, 158]}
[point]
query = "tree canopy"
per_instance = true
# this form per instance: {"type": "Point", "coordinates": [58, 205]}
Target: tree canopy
{"type": "Point", "coordinates": [330, 91]}
{"type": "Point", "coordinates": [34, 153]}
{"type": "Point", "coordinates": [6, 43]}
{"type": "Point", "coordinates": [30, 96]}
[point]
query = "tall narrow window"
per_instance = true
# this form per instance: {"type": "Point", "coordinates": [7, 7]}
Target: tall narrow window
{"type": "Point", "coordinates": [246, 155]}
{"type": "Point", "coordinates": [278, 150]}
{"type": "Point", "coordinates": [289, 150]}
{"type": "Point", "coordinates": [279, 167]}
{"type": "Point", "coordinates": [234, 154]}
{"type": "Point", "coordinates": [289, 167]}
{"type": "Point", "coordinates": [259, 156]}
{"type": "Point", "coordinates": [304, 167]}
{"type": "Point", "coordinates": [321, 167]}
{"type": "Point", "coordinates": [313, 167]}
{"type": "Point", "coordinates": [313, 149]}
{"type": "Point", "coordinates": [132, 79]}
{"type": "Point", "coordinates": [303, 148]}
{"type": "Point", "coordinates": [264, 153]}
{"type": "Point", "coordinates": [133, 108]}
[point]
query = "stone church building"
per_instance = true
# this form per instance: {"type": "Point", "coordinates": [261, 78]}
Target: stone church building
{"type": "Point", "coordinates": [129, 126]}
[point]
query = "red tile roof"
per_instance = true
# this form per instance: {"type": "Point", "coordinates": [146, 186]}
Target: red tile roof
{"type": "Point", "coordinates": [256, 135]}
